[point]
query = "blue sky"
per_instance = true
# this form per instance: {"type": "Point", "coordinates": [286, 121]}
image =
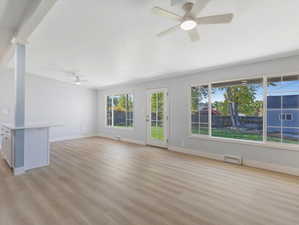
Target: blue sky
{"type": "Point", "coordinates": [284, 88]}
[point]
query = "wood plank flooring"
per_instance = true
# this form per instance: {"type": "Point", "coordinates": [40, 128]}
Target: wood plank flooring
{"type": "Point", "coordinates": [103, 182]}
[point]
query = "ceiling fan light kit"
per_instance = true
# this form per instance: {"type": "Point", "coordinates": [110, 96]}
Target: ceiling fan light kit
{"type": "Point", "coordinates": [188, 24]}
{"type": "Point", "coordinates": [77, 81]}
{"type": "Point", "coordinates": [190, 21]}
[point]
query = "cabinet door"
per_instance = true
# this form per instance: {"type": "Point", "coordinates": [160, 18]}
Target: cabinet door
{"type": "Point", "coordinates": [7, 151]}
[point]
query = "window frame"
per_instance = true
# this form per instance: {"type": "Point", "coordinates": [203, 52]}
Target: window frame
{"type": "Point", "coordinates": [190, 110]}
{"type": "Point", "coordinates": [264, 143]}
{"type": "Point", "coordinates": [112, 117]}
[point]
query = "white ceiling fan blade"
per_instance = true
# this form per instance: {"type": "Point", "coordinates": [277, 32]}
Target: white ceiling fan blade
{"type": "Point", "coordinates": [193, 34]}
{"type": "Point", "coordinates": [218, 19]}
{"type": "Point", "coordinates": [199, 6]}
{"type": "Point", "coordinates": [169, 31]}
{"type": "Point", "coordinates": [175, 2]}
{"type": "Point", "coordinates": [163, 12]}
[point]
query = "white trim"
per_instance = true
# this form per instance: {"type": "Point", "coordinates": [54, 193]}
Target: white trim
{"type": "Point", "coordinates": [72, 137]}
{"type": "Point", "coordinates": [132, 141]}
{"type": "Point", "coordinates": [19, 171]}
{"type": "Point", "coordinates": [272, 167]}
{"type": "Point", "coordinates": [127, 140]}
{"type": "Point", "coordinates": [16, 41]}
{"type": "Point", "coordinates": [208, 155]}
{"type": "Point", "coordinates": [249, 163]}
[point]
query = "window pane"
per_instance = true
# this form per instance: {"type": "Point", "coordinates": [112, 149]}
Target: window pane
{"type": "Point", "coordinates": [120, 110]}
{"type": "Point", "coordinates": [237, 110]}
{"type": "Point", "coordinates": [283, 109]}
{"type": "Point", "coordinates": [160, 130]}
{"type": "Point", "coordinates": [200, 110]}
{"type": "Point", "coordinates": [160, 97]}
{"type": "Point", "coordinates": [160, 116]}
{"type": "Point", "coordinates": [154, 101]}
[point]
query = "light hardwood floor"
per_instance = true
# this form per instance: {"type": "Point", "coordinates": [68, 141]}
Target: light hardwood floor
{"type": "Point", "coordinates": [103, 182]}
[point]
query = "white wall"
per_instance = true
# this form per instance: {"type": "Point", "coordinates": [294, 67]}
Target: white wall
{"type": "Point", "coordinates": [178, 88]}
{"type": "Point", "coordinates": [50, 101]}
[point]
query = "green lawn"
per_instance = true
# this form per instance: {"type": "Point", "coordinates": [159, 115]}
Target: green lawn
{"type": "Point", "coordinates": [236, 135]}
{"type": "Point", "coordinates": [157, 133]}
{"type": "Point", "coordinates": [226, 133]}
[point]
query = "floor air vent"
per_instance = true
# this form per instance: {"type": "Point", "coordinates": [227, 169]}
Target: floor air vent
{"type": "Point", "coordinates": [233, 159]}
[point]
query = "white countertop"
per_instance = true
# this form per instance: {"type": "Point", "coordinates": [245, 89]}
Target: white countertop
{"type": "Point", "coordinates": [31, 126]}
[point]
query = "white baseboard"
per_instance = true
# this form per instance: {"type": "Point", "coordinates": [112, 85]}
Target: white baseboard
{"type": "Point", "coordinates": [72, 137]}
{"type": "Point", "coordinates": [132, 141]}
{"type": "Point", "coordinates": [122, 139]}
{"type": "Point", "coordinates": [249, 163]}
{"type": "Point", "coordinates": [197, 153]}
{"type": "Point", "coordinates": [18, 171]}
{"type": "Point", "coordinates": [272, 167]}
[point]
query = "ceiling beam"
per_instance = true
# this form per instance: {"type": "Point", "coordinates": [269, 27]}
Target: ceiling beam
{"type": "Point", "coordinates": [28, 27]}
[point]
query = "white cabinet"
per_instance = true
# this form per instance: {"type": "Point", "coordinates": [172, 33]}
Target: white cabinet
{"type": "Point", "coordinates": [36, 146]}
{"type": "Point", "coordinates": [7, 146]}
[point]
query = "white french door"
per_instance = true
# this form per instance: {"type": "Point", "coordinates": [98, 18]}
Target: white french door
{"type": "Point", "coordinates": [157, 117]}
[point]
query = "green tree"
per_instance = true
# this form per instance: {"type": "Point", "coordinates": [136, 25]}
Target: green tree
{"type": "Point", "coordinates": [198, 94]}
{"type": "Point", "coordinates": [240, 99]}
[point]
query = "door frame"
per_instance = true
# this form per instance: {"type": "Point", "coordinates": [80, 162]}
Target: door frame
{"type": "Point", "coordinates": [149, 140]}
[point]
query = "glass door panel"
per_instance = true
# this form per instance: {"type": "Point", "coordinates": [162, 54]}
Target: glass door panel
{"type": "Point", "coordinates": [157, 115]}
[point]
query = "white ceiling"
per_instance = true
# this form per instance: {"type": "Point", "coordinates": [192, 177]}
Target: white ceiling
{"type": "Point", "coordinates": [112, 42]}
{"type": "Point", "coordinates": [13, 13]}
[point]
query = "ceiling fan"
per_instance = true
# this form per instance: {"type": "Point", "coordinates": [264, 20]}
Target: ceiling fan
{"type": "Point", "coordinates": [190, 21]}
{"type": "Point", "coordinates": [76, 76]}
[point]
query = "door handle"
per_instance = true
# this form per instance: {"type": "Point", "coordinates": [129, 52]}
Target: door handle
{"type": "Point", "coordinates": [147, 118]}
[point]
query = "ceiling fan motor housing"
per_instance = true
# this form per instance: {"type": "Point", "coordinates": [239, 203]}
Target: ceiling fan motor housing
{"type": "Point", "coordinates": [187, 7]}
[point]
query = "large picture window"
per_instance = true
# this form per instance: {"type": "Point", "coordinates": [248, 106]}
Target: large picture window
{"type": "Point", "coordinates": [264, 109]}
{"type": "Point", "coordinates": [119, 111]}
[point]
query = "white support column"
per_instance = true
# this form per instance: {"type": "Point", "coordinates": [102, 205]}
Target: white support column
{"type": "Point", "coordinates": [20, 70]}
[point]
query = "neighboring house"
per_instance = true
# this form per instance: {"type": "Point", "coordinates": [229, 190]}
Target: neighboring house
{"type": "Point", "coordinates": [283, 115]}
